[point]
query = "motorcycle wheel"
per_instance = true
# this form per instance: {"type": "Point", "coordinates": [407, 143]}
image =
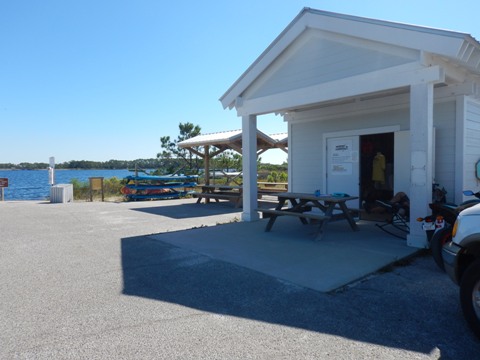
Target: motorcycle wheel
{"type": "Point", "coordinates": [439, 239]}
{"type": "Point", "coordinates": [470, 296]}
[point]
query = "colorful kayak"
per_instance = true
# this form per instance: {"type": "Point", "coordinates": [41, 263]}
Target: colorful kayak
{"type": "Point", "coordinates": [158, 187]}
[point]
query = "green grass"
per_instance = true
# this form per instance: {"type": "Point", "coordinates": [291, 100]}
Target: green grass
{"type": "Point", "coordinates": [111, 188]}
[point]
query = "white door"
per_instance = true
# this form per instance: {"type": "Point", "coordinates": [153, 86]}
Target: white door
{"type": "Point", "coordinates": [343, 169]}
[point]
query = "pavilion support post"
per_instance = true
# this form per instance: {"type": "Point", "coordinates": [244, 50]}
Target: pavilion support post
{"type": "Point", "coordinates": [206, 164]}
{"type": "Point", "coordinates": [421, 173]}
{"type": "Point", "coordinates": [249, 152]}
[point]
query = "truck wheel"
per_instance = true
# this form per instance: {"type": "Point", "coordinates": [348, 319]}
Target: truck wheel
{"type": "Point", "coordinates": [439, 239]}
{"type": "Point", "coordinates": [470, 296]}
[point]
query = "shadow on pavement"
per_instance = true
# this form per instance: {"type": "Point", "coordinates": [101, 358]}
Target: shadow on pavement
{"type": "Point", "coordinates": [156, 270]}
{"type": "Point", "coordinates": [186, 211]}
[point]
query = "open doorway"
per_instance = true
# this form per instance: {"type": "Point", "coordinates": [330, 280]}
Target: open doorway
{"type": "Point", "coordinates": [376, 168]}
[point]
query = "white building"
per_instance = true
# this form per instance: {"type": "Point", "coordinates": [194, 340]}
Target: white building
{"type": "Point", "coordinates": [347, 85]}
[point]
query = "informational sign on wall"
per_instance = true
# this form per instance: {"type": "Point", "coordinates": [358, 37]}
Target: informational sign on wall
{"type": "Point", "coordinates": [342, 157]}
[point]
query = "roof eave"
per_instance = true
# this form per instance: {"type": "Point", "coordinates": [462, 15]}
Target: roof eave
{"type": "Point", "coordinates": [229, 97]}
{"type": "Point", "coordinates": [454, 46]}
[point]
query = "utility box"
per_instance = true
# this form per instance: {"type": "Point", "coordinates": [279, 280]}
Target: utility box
{"type": "Point", "coordinates": [61, 193]}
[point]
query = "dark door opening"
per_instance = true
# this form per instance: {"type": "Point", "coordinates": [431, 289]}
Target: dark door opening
{"type": "Point", "coordinates": [376, 168]}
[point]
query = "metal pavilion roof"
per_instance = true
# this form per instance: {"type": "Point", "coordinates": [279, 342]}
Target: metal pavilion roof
{"type": "Point", "coordinates": [233, 140]}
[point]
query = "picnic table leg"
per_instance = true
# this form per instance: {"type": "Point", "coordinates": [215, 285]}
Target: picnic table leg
{"type": "Point", "coordinates": [348, 216]}
{"type": "Point", "coordinates": [320, 230]}
{"type": "Point", "coordinates": [239, 202]}
{"type": "Point", "coordinates": [270, 223]}
{"type": "Point", "coordinates": [296, 205]}
{"type": "Point", "coordinates": [280, 204]}
{"type": "Point", "coordinates": [240, 199]}
{"type": "Point", "coordinates": [328, 210]}
{"type": "Point", "coordinates": [271, 220]}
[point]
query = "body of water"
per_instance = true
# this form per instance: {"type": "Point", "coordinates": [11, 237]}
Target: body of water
{"type": "Point", "coordinates": [34, 184]}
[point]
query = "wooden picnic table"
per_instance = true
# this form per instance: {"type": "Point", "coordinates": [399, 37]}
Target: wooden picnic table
{"type": "Point", "coordinates": [220, 192]}
{"type": "Point", "coordinates": [302, 204]}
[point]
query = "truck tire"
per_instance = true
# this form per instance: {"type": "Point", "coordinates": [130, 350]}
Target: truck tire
{"type": "Point", "coordinates": [470, 296]}
{"type": "Point", "coordinates": [439, 239]}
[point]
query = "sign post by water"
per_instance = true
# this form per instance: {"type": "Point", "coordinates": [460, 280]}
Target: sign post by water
{"type": "Point", "coordinates": [96, 183]}
{"type": "Point", "coordinates": [3, 185]}
{"type": "Point", "coordinates": [51, 171]}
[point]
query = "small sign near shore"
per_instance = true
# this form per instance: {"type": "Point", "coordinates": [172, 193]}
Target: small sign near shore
{"type": "Point", "coordinates": [3, 184]}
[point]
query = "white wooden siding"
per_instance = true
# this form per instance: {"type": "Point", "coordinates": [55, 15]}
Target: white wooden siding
{"type": "Point", "coordinates": [472, 145]}
{"type": "Point", "coordinates": [317, 59]}
{"type": "Point", "coordinates": [307, 150]}
{"type": "Point", "coordinates": [444, 123]}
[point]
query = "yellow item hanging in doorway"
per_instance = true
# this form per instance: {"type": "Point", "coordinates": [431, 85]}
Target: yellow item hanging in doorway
{"type": "Point", "coordinates": [378, 172]}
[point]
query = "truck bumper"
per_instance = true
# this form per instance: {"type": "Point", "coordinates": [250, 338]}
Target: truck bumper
{"type": "Point", "coordinates": [451, 253]}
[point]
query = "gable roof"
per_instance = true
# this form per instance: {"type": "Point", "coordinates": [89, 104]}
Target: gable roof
{"type": "Point", "coordinates": [458, 47]}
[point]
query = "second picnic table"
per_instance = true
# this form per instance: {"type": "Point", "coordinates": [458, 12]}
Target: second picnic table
{"type": "Point", "coordinates": [220, 192]}
{"type": "Point", "coordinates": [302, 204]}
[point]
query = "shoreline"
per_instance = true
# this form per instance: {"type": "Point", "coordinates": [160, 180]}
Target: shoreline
{"type": "Point", "coordinates": [76, 169]}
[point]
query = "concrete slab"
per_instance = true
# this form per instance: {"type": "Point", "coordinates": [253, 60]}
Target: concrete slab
{"type": "Point", "coordinates": [289, 253]}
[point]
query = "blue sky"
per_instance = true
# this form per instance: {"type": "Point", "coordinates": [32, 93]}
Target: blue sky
{"type": "Point", "coordinates": [105, 79]}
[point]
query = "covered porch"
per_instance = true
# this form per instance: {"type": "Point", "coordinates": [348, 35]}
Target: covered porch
{"type": "Point", "coordinates": [357, 76]}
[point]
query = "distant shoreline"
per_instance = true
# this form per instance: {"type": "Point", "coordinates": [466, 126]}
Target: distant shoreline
{"type": "Point", "coordinates": [78, 169]}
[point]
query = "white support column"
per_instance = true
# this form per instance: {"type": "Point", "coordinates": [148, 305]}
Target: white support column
{"type": "Point", "coordinates": [206, 162]}
{"type": "Point", "coordinates": [249, 152]}
{"type": "Point", "coordinates": [461, 109]}
{"type": "Point", "coordinates": [421, 173]}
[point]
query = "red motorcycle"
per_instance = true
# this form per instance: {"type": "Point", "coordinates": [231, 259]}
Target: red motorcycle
{"type": "Point", "coordinates": [439, 224]}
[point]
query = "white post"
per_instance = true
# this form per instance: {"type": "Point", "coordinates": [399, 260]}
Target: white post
{"type": "Point", "coordinates": [461, 106]}
{"type": "Point", "coordinates": [51, 171]}
{"type": "Point", "coordinates": [249, 152]}
{"type": "Point", "coordinates": [421, 173]}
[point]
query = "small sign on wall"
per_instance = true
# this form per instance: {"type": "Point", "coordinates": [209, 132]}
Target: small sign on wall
{"type": "Point", "coordinates": [342, 157]}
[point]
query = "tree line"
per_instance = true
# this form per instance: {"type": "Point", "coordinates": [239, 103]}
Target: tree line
{"type": "Point", "coordinates": [171, 159]}
{"type": "Point", "coordinates": [88, 165]}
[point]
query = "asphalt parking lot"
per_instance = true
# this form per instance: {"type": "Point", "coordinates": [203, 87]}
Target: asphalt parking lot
{"type": "Point", "coordinates": [93, 281]}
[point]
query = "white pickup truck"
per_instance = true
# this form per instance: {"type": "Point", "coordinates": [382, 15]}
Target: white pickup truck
{"type": "Point", "coordinates": [461, 258]}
